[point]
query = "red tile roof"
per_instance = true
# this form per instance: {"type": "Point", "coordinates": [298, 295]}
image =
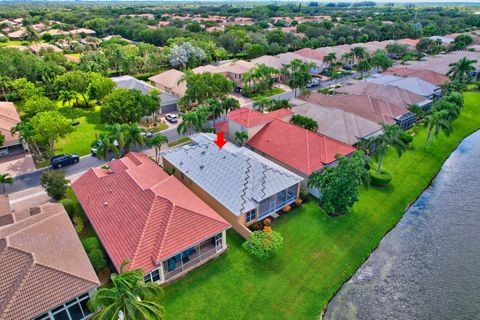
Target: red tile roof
{"type": "Point", "coordinates": [297, 147]}
{"type": "Point", "coordinates": [142, 214]}
{"type": "Point", "coordinates": [310, 54]}
{"type": "Point", "coordinates": [222, 126]}
{"type": "Point", "coordinates": [247, 117]}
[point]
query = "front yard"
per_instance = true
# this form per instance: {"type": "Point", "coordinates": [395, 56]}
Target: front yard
{"type": "Point", "coordinates": [320, 252]}
{"type": "Point", "coordinates": [266, 94]}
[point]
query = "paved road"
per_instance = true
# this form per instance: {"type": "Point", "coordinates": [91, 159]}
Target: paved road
{"type": "Point", "coordinates": [32, 179]}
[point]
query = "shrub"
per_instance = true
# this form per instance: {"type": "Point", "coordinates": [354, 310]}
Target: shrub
{"type": "Point", "coordinates": [54, 183]}
{"type": "Point", "coordinates": [267, 222]}
{"type": "Point", "coordinates": [267, 229]}
{"type": "Point", "coordinates": [69, 206]}
{"type": "Point", "coordinates": [380, 179]}
{"type": "Point", "coordinates": [406, 138]}
{"type": "Point", "coordinates": [298, 201]}
{"type": "Point", "coordinates": [303, 195]}
{"type": "Point", "coordinates": [91, 243]}
{"type": "Point", "coordinates": [263, 245]}
{"type": "Point", "coordinates": [78, 223]}
{"type": "Point", "coordinates": [287, 208]}
{"type": "Point", "coordinates": [97, 258]}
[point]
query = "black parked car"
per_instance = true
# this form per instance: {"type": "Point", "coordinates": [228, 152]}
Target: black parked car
{"type": "Point", "coordinates": [61, 160]}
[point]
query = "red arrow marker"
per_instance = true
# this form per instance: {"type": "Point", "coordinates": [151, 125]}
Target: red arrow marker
{"type": "Point", "coordinates": [220, 142]}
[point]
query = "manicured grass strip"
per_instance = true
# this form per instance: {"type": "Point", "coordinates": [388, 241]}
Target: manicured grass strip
{"type": "Point", "coordinates": [179, 141]}
{"type": "Point", "coordinates": [266, 94]}
{"type": "Point", "coordinates": [320, 252]}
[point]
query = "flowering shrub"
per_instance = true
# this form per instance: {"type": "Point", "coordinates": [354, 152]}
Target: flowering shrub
{"type": "Point", "coordinates": [287, 208]}
{"type": "Point", "coordinates": [263, 245]}
{"type": "Point", "coordinates": [78, 224]}
{"type": "Point", "coordinates": [267, 229]}
{"type": "Point", "coordinates": [267, 222]}
{"type": "Point", "coordinates": [298, 201]}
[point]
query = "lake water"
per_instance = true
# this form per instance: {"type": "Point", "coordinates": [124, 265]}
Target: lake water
{"type": "Point", "coordinates": [428, 266]}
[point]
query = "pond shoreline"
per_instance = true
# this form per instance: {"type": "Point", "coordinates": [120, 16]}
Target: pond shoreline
{"type": "Point", "coordinates": [331, 303]}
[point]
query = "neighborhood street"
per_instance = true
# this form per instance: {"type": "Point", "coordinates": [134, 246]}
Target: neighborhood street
{"type": "Point", "coordinates": [32, 179]}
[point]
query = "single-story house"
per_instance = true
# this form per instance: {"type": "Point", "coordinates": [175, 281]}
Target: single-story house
{"type": "Point", "coordinates": [426, 75]}
{"type": "Point", "coordinates": [18, 34]}
{"type": "Point", "coordinates": [233, 70]}
{"type": "Point", "coordinates": [336, 123]}
{"type": "Point", "coordinates": [36, 47]}
{"type": "Point", "coordinates": [242, 186]}
{"type": "Point", "coordinates": [168, 102]}
{"type": "Point", "coordinates": [317, 64]}
{"type": "Point", "coordinates": [396, 95]}
{"type": "Point", "coordinates": [413, 84]}
{"type": "Point", "coordinates": [249, 121]}
{"type": "Point", "coordinates": [142, 214]}
{"type": "Point", "coordinates": [373, 109]}
{"type": "Point", "coordinates": [44, 270]}
{"type": "Point", "coordinates": [9, 118]}
{"type": "Point", "coordinates": [313, 56]}
{"type": "Point", "coordinates": [271, 61]}
{"type": "Point", "coordinates": [440, 62]}
{"type": "Point", "coordinates": [170, 81]}
{"type": "Point", "coordinates": [297, 149]}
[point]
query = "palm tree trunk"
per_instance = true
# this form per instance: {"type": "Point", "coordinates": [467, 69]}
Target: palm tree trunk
{"type": "Point", "coordinates": [380, 162]}
{"type": "Point", "coordinates": [428, 136]}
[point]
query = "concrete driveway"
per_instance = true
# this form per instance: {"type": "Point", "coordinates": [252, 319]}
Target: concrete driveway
{"type": "Point", "coordinates": [17, 164]}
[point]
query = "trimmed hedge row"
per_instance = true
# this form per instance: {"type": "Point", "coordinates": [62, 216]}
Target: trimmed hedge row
{"type": "Point", "coordinates": [380, 179]}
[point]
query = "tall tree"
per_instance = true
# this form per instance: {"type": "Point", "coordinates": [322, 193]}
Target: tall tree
{"type": "Point", "coordinates": [380, 144]}
{"type": "Point", "coordinates": [230, 104]}
{"type": "Point", "coordinates": [128, 298]}
{"type": "Point", "coordinates": [297, 74]}
{"type": "Point", "coordinates": [105, 146]}
{"type": "Point", "coordinates": [461, 70]}
{"type": "Point", "coordinates": [49, 127]}
{"type": "Point", "coordinates": [66, 98]}
{"type": "Point", "coordinates": [437, 121]}
{"type": "Point", "coordinates": [339, 186]}
{"type": "Point", "coordinates": [241, 137]}
{"type": "Point", "coordinates": [156, 142]}
{"type": "Point", "coordinates": [133, 134]}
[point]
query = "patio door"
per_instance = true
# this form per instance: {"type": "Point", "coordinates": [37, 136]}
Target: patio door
{"type": "Point", "coordinates": [218, 242]}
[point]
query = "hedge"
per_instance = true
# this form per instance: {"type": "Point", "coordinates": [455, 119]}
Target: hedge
{"type": "Point", "coordinates": [406, 138]}
{"type": "Point", "coordinates": [91, 243]}
{"type": "Point", "coordinates": [380, 179]}
{"type": "Point", "coordinates": [69, 206]}
{"type": "Point", "coordinates": [97, 258]}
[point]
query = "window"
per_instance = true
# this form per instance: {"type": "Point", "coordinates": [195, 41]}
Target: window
{"type": "Point", "coordinates": [251, 215]}
{"type": "Point", "coordinates": [75, 309]}
{"type": "Point", "coordinates": [152, 276]}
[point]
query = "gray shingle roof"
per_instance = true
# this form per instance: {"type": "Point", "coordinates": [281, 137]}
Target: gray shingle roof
{"type": "Point", "coordinates": [236, 177]}
{"type": "Point", "coordinates": [413, 84]}
{"type": "Point", "coordinates": [129, 82]}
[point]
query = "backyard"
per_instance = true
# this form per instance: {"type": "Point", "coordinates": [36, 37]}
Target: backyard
{"type": "Point", "coordinates": [320, 252]}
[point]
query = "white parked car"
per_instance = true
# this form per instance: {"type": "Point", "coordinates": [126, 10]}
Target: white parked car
{"type": "Point", "coordinates": [172, 118]}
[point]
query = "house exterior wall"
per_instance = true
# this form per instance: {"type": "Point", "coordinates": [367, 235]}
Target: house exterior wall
{"type": "Point", "coordinates": [236, 221]}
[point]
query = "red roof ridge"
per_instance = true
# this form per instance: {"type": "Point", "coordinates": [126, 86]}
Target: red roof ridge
{"type": "Point", "coordinates": [164, 236]}
{"type": "Point", "coordinates": [307, 151]}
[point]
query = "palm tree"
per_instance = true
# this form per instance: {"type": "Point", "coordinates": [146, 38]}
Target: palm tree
{"type": "Point", "coordinates": [279, 104]}
{"type": "Point", "coordinates": [129, 298]}
{"type": "Point", "coordinates": [115, 133]}
{"type": "Point", "coordinates": [203, 113]}
{"type": "Point", "coordinates": [436, 121]}
{"type": "Point", "coordinates": [379, 145]}
{"type": "Point", "coordinates": [132, 135]}
{"type": "Point", "coordinates": [5, 178]}
{"type": "Point", "coordinates": [157, 142]}
{"type": "Point", "coordinates": [363, 66]}
{"type": "Point", "coordinates": [461, 70]}
{"type": "Point", "coordinates": [66, 98]}
{"type": "Point", "coordinates": [358, 53]}
{"type": "Point", "coordinates": [216, 109]}
{"type": "Point", "coordinates": [189, 120]}
{"type": "Point", "coordinates": [230, 104]}
{"type": "Point", "coordinates": [106, 145]}
{"type": "Point", "coordinates": [298, 74]}
{"type": "Point", "coordinates": [26, 132]}
{"type": "Point", "coordinates": [3, 86]}
{"type": "Point", "coordinates": [262, 104]}
{"type": "Point", "coordinates": [241, 137]}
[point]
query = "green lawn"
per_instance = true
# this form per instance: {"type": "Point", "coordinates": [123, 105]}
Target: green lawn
{"type": "Point", "coordinates": [13, 43]}
{"type": "Point", "coordinates": [266, 94]}
{"type": "Point", "coordinates": [320, 252]}
{"type": "Point", "coordinates": [80, 140]}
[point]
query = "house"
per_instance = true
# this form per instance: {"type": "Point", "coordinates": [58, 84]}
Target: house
{"type": "Point", "coordinates": [44, 270]}
{"type": "Point", "coordinates": [168, 102]}
{"type": "Point", "coordinates": [170, 81]}
{"type": "Point", "coordinates": [368, 107]}
{"type": "Point", "coordinates": [392, 94]}
{"type": "Point", "coordinates": [288, 57]}
{"type": "Point", "coordinates": [8, 119]}
{"type": "Point", "coordinates": [233, 70]}
{"type": "Point", "coordinates": [336, 123]}
{"type": "Point", "coordinates": [18, 34]}
{"type": "Point", "coordinates": [444, 39]}
{"type": "Point", "coordinates": [433, 77]}
{"type": "Point", "coordinates": [271, 61]}
{"type": "Point", "coordinates": [413, 84]}
{"type": "Point", "coordinates": [37, 47]}
{"type": "Point", "coordinates": [297, 149]}
{"type": "Point", "coordinates": [249, 121]}
{"type": "Point", "coordinates": [340, 53]}
{"type": "Point", "coordinates": [242, 186]}
{"type": "Point", "coordinates": [313, 56]}
{"type": "Point", "coordinates": [142, 214]}
{"type": "Point", "coordinates": [441, 62]}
